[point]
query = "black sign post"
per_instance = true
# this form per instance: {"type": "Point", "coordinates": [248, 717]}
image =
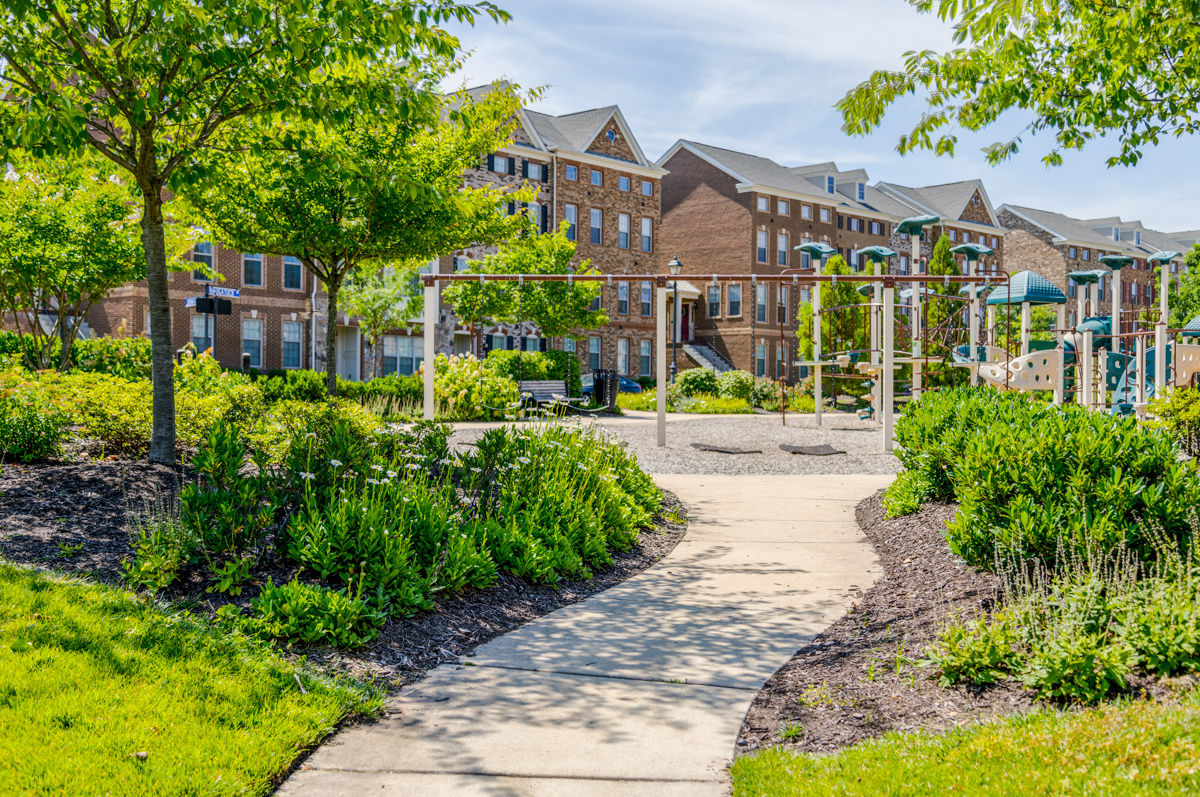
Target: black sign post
{"type": "Point", "coordinates": [211, 307]}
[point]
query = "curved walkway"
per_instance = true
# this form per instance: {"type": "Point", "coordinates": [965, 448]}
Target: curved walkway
{"type": "Point", "coordinates": [639, 690]}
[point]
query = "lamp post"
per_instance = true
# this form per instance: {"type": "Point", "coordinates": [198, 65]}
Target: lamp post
{"type": "Point", "coordinates": [676, 267]}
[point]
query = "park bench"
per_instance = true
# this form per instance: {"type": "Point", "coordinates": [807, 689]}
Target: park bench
{"type": "Point", "coordinates": [548, 391]}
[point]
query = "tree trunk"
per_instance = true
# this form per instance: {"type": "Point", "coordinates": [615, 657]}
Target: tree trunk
{"type": "Point", "coordinates": [66, 335]}
{"type": "Point", "coordinates": [331, 289]}
{"type": "Point", "coordinates": [162, 362]}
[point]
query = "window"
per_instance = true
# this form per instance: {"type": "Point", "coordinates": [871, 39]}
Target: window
{"type": "Point", "coordinates": [595, 305]}
{"type": "Point", "coordinates": [781, 243]}
{"type": "Point", "coordinates": [531, 343]}
{"type": "Point", "coordinates": [862, 193]}
{"type": "Point", "coordinates": [622, 230]}
{"type": "Point", "coordinates": [1137, 237]}
{"type": "Point", "coordinates": [622, 298]}
{"type": "Point", "coordinates": [498, 343]}
{"type": "Point", "coordinates": [825, 215]}
{"type": "Point", "coordinates": [533, 170]}
{"type": "Point", "coordinates": [762, 246]}
{"type": "Point", "coordinates": [572, 216]}
{"type": "Point", "coordinates": [966, 237]}
{"type": "Point", "coordinates": [876, 228]}
{"type": "Point", "coordinates": [292, 331]}
{"type": "Point", "coordinates": [252, 270]}
{"type": "Point", "coordinates": [572, 173]}
{"type": "Point", "coordinates": [202, 253]}
{"type": "Point", "coordinates": [953, 235]}
{"type": "Point", "coordinates": [201, 332]}
{"type": "Point", "coordinates": [1100, 289]}
{"type": "Point", "coordinates": [647, 235]}
{"type": "Point", "coordinates": [760, 360]}
{"type": "Point", "coordinates": [594, 353]}
{"type": "Point", "coordinates": [646, 295]}
{"type": "Point", "coordinates": [647, 188]}
{"type": "Point", "coordinates": [779, 361]}
{"type": "Point", "coordinates": [501, 164]}
{"type": "Point", "coordinates": [644, 358]}
{"type": "Point", "coordinates": [404, 354]}
{"type": "Point", "coordinates": [1072, 252]}
{"type": "Point", "coordinates": [781, 313]}
{"type": "Point", "coordinates": [1071, 288]}
{"type": "Point", "coordinates": [852, 259]}
{"type": "Point", "coordinates": [622, 183]}
{"type": "Point", "coordinates": [252, 340]}
{"type": "Point", "coordinates": [785, 208]}
{"type": "Point", "coordinates": [904, 264]}
{"type": "Point", "coordinates": [293, 274]}
{"type": "Point", "coordinates": [735, 300]}
{"type": "Point", "coordinates": [1116, 233]}
{"type": "Point", "coordinates": [596, 225]}
{"type": "Point", "coordinates": [760, 304]}
{"type": "Point", "coordinates": [569, 344]}
{"type": "Point", "coordinates": [1087, 254]}
{"type": "Point", "coordinates": [597, 177]}
{"type": "Point", "coordinates": [622, 355]}
{"type": "Point", "coordinates": [855, 225]}
{"type": "Point", "coordinates": [995, 242]}
{"type": "Point", "coordinates": [829, 185]}
{"type": "Point", "coordinates": [714, 301]}
{"type": "Point", "coordinates": [806, 211]}
{"type": "Point", "coordinates": [764, 204]}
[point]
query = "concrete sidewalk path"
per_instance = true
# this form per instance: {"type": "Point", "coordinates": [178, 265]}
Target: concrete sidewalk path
{"type": "Point", "coordinates": [638, 690]}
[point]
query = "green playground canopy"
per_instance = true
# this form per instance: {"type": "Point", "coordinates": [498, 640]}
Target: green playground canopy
{"type": "Point", "coordinates": [1116, 261]}
{"type": "Point", "coordinates": [1192, 328]}
{"type": "Point", "coordinates": [973, 251]}
{"type": "Point", "coordinates": [817, 249]}
{"type": "Point", "coordinates": [1164, 257]}
{"type": "Point", "coordinates": [925, 291]}
{"type": "Point", "coordinates": [877, 253]}
{"type": "Point", "coordinates": [980, 290]}
{"type": "Point", "coordinates": [914, 225]}
{"type": "Point", "coordinates": [1027, 286]}
{"type": "Point", "coordinates": [1087, 277]}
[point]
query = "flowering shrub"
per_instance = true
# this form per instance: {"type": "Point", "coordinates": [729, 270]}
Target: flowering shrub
{"type": "Point", "coordinates": [694, 381]}
{"type": "Point", "coordinates": [735, 385]}
{"type": "Point", "coordinates": [467, 390]}
{"type": "Point", "coordinates": [32, 425]}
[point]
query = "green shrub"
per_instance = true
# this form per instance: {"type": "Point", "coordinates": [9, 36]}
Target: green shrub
{"type": "Point", "coordinates": [907, 494]}
{"type": "Point", "coordinates": [467, 390]}
{"type": "Point", "coordinates": [713, 405]}
{"type": "Point", "coordinates": [315, 615]}
{"type": "Point", "coordinates": [296, 386]}
{"type": "Point", "coordinates": [32, 424]}
{"type": "Point", "coordinates": [1177, 410]}
{"type": "Point", "coordinates": [766, 393]}
{"type": "Point", "coordinates": [697, 381]}
{"type": "Point", "coordinates": [290, 421]}
{"type": "Point", "coordinates": [736, 385]}
{"type": "Point", "coordinates": [128, 358]}
{"type": "Point", "coordinates": [977, 651]}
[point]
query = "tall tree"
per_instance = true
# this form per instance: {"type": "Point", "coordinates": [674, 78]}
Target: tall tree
{"type": "Point", "coordinates": [557, 308]}
{"type": "Point", "coordinates": [384, 188]}
{"type": "Point", "coordinates": [1076, 69]}
{"type": "Point", "coordinates": [149, 85]}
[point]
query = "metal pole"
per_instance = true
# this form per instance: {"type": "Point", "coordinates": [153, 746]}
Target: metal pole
{"type": "Point", "coordinates": [876, 337]}
{"type": "Point", "coordinates": [1139, 350]}
{"type": "Point", "coordinates": [674, 330]}
{"type": "Point", "coordinates": [888, 376]}
{"type": "Point", "coordinates": [1025, 324]}
{"type": "Point", "coordinates": [818, 396]}
{"type": "Point", "coordinates": [1160, 330]}
{"type": "Point", "coordinates": [1086, 367]}
{"type": "Point", "coordinates": [915, 316]}
{"type": "Point", "coordinates": [429, 320]}
{"type": "Point", "coordinates": [973, 336]}
{"type": "Point", "coordinates": [1116, 308]}
{"type": "Point", "coordinates": [660, 387]}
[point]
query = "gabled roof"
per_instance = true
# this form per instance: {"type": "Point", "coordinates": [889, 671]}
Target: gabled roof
{"type": "Point", "coordinates": [575, 132]}
{"type": "Point", "coordinates": [1097, 232]}
{"type": "Point", "coordinates": [751, 169]}
{"type": "Point", "coordinates": [947, 200]}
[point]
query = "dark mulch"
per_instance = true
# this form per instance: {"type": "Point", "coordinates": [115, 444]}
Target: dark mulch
{"type": "Point", "coordinates": [88, 504]}
{"type": "Point", "coordinates": [859, 679]}
{"type": "Point", "coordinates": [846, 686]}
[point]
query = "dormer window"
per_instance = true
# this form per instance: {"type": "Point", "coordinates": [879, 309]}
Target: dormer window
{"type": "Point", "coordinates": [829, 185]}
{"type": "Point", "coordinates": [862, 193]}
{"type": "Point", "coordinates": [1116, 233]}
{"type": "Point", "coordinates": [1137, 237]}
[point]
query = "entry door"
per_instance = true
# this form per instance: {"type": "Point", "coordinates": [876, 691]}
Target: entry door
{"type": "Point", "coordinates": [348, 353]}
{"type": "Point", "coordinates": [685, 327]}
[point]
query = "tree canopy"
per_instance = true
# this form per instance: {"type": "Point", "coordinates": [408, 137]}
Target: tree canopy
{"type": "Point", "coordinates": [1185, 297]}
{"type": "Point", "coordinates": [558, 308]}
{"type": "Point", "coordinates": [1075, 69]}
{"type": "Point", "coordinates": [150, 85]}
{"type": "Point", "coordinates": [384, 188]}
{"type": "Point", "coordinates": [381, 299]}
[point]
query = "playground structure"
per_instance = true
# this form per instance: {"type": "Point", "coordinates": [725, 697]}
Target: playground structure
{"type": "Point", "coordinates": [1086, 363]}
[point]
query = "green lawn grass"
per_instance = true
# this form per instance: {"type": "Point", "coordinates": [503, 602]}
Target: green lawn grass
{"type": "Point", "coordinates": [1131, 748]}
{"type": "Point", "coordinates": [90, 676]}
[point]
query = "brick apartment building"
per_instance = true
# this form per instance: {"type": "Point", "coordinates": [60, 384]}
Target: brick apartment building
{"type": "Point", "coordinates": [1054, 245]}
{"type": "Point", "coordinates": [589, 170]}
{"type": "Point", "coordinates": [729, 212]}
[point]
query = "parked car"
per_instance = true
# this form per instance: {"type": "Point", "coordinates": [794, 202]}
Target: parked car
{"type": "Point", "coordinates": [627, 385]}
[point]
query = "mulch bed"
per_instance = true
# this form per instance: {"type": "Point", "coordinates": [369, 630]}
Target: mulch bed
{"type": "Point", "coordinates": [858, 679]}
{"type": "Point", "coordinates": [88, 503]}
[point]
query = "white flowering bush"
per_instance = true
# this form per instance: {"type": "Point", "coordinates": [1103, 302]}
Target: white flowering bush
{"type": "Point", "coordinates": [466, 389]}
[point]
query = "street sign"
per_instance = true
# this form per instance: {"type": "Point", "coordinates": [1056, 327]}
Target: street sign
{"type": "Point", "coordinates": [205, 305]}
{"type": "Point", "coordinates": [228, 293]}
{"type": "Point", "coordinates": [190, 301]}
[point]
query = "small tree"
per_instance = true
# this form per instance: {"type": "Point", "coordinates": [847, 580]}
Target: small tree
{"type": "Point", "coordinates": [941, 316]}
{"type": "Point", "coordinates": [557, 308]}
{"type": "Point", "coordinates": [150, 86]}
{"type": "Point", "coordinates": [389, 188]}
{"type": "Point", "coordinates": [379, 299]}
{"type": "Point", "coordinates": [841, 330]}
{"type": "Point", "coordinates": [1185, 299]}
{"type": "Point", "coordinates": [67, 239]}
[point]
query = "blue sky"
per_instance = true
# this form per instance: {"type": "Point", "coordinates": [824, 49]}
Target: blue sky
{"type": "Point", "coordinates": [761, 76]}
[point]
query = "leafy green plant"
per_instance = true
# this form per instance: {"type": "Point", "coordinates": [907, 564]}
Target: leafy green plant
{"type": "Point", "coordinates": [32, 424]}
{"type": "Point", "coordinates": [1177, 410]}
{"type": "Point", "coordinates": [697, 381]}
{"type": "Point", "coordinates": [315, 615]}
{"type": "Point", "coordinates": [907, 494]}
{"type": "Point", "coordinates": [735, 385]}
{"type": "Point", "coordinates": [163, 546]}
{"type": "Point", "coordinates": [705, 404]}
{"type": "Point", "coordinates": [791, 731]}
{"type": "Point", "coordinates": [977, 651]}
{"type": "Point", "coordinates": [66, 551]}
{"type": "Point", "coordinates": [467, 390]}
{"type": "Point", "coordinates": [229, 576]}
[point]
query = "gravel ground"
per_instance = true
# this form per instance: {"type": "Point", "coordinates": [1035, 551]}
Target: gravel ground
{"type": "Point", "coordinates": [861, 440]}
